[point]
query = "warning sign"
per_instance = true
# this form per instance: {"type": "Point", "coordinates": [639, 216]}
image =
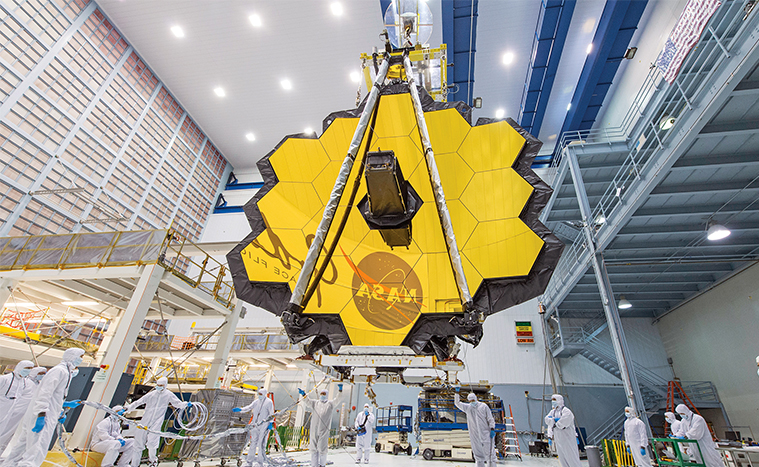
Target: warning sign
{"type": "Point", "coordinates": [524, 332]}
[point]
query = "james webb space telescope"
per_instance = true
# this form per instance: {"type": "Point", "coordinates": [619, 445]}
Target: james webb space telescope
{"type": "Point", "coordinates": [402, 227]}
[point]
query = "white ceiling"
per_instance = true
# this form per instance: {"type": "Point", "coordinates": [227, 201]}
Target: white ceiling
{"type": "Point", "coordinates": [303, 41]}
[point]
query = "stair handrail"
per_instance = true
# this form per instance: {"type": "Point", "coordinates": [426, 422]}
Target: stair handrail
{"type": "Point", "coordinates": [609, 427]}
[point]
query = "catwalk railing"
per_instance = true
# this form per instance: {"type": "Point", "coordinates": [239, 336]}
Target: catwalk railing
{"type": "Point", "coordinates": [655, 101]}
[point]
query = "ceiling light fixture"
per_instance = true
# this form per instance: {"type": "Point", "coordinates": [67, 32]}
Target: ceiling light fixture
{"type": "Point", "coordinates": [508, 58]}
{"type": "Point", "coordinates": [177, 31]}
{"type": "Point", "coordinates": [667, 122]}
{"type": "Point", "coordinates": [600, 219]}
{"type": "Point", "coordinates": [79, 303]}
{"type": "Point", "coordinates": [337, 8]}
{"type": "Point", "coordinates": [477, 102]}
{"type": "Point", "coordinates": [255, 20]}
{"type": "Point", "coordinates": [220, 92]}
{"type": "Point", "coordinates": [589, 49]}
{"type": "Point", "coordinates": [630, 53]}
{"type": "Point", "coordinates": [355, 76]}
{"type": "Point", "coordinates": [624, 303]}
{"type": "Point", "coordinates": [569, 106]}
{"type": "Point", "coordinates": [716, 231]}
{"type": "Point", "coordinates": [500, 113]}
{"type": "Point", "coordinates": [250, 137]}
{"type": "Point", "coordinates": [286, 84]}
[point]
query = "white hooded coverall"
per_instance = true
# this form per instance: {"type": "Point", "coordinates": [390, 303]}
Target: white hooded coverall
{"type": "Point", "coordinates": [29, 448]}
{"type": "Point", "coordinates": [156, 402]}
{"type": "Point", "coordinates": [695, 427]}
{"type": "Point", "coordinates": [563, 433]}
{"type": "Point", "coordinates": [479, 422]}
{"type": "Point", "coordinates": [364, 442]}
{"type": "Point", "coordinates": [321, 419]}
{"type": "Point", "coordinates": [675, 425]}
{"type": "Point", "coordinates": [258, 428]}
{"type": "Point", "coordinates": [636, 438]}
{"type": "Point", "coordinates": [106, 441]}
{"type": "Point", "coordinates": [20, 404]}
{"type": "Point", "coordinates": [12, 385]}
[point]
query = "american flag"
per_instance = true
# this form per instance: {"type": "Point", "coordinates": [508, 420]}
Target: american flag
{"type": "Point", "coordinates": [684, 36]}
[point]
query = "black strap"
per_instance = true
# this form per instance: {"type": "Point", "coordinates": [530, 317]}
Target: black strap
{"type": "Point", "coordinates": [13, 378]}
{"type": "Point", "coordinates": [366, 419]}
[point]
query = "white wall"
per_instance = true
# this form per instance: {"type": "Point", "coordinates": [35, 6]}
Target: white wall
{"type": "Point", "coordinates": [714, 338]}
{"type": "Point", "coordinates": [655, 26]}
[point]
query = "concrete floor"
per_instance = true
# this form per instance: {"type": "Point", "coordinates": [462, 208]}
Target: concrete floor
{"type": "Point", "coordinates": [346, 457]}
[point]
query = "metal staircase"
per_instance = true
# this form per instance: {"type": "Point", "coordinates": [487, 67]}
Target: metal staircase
{"type": "Point", "coordinates": [569, 341]}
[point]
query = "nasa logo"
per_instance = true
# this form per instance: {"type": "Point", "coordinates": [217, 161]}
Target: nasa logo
{"type": "Point", "coordinates": [386, 291]}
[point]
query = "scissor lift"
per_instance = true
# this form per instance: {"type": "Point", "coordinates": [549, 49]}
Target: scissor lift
{"type": "Point", "coordinates": [393, 424]}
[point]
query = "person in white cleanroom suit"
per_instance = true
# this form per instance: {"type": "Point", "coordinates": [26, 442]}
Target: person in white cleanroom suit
{"type": "Point", "coordinates": [20, 404]}
{"type": "Point", "coordinates": [36, 430]}
{"type": "Point", "coordinates": [636, 438]}
{"type": "Point", "coordinates": [481, 426]}
{"type": "Point", "coordinates": [258, 428]}
{"type": "Point", "coordinates": [108, 440]}
{"type": "Point", "coordinates": [675, 425]}
{"type": "Point", "coordinates": [561, 428]}
{"type": "Point", "coordinates": [11, 386]}
{"type": "Point", "coordinates": [156, 402]}
{"type": "Point", "coordinates": [364, 431]}
{"type": "Point", "coordinates": [695, 428]}
{"type": "Point", "coordinates": [321, 419]}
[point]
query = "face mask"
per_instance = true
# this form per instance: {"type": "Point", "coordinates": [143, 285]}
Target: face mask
{"type": "Point", "coordinates": [628, 414]}
{"type": "Point", "coordinates": [38, 378]}
{"type": "Point", "coordinates": [160, 388]}
{"type": "Point", "coordinates": [323, 398]}
{"type": "Point", "coordinates": [77, 361]}
{"type": "Point", "coordinates": [261, 397]}
{"type": "Point", "coordinates": [75, 372]}
{"type": "Point", "coordinates": [24, 372]}
{"type": "Point", "coordinates": [366, 411]}
{"type": "Point", "coordinates": [554, 404]}
{"type": "Point", "coordinates": [684, 416]}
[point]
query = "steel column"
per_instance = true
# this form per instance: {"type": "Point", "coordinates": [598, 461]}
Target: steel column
{"type": "Point", "coordinates": [118, 353]}
{"type": "Point", "coordinates": [622, 352]}
{"type": "Point", "coordinates": [223, 346]}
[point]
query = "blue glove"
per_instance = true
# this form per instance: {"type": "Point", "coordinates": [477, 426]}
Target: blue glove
{"type": "Point", "coordinates": [458, 389]}
{"type": "Point", "coordinates": [271, 425]}
{"type": "Point", "coordinates": [642, 451]}
{"type": "Point", "coordinates": [301, 392]}
{"type": "Point", "coordinates": [492, 434]}
{"type": "Point", "coordinates": [550, 441]}
{"type": "Point", "coordinates": [123, 443]}
{"type": "Point", "coordinates": [39, 424]}
{"type": "Point", "coordinates": [71, 404]}
{"type": "Point", "coordinates": [628, 450]}
{"type": "Point", "coordinates": [556, 419]}
{"type": "Point", "coordinates": [237, 409]}
{"type": "Point", "coordinates": [189, 405]}
{"type": "Point", "coordinates": [339, 387]}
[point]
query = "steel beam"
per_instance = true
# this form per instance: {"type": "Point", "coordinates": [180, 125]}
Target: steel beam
{"type": "Point", "coordinates": [221, 354]}
{"type": "Point", "coordinates": [616, 332]}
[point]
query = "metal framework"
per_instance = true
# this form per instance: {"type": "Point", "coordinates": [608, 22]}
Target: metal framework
{"type": "Point", "coordinates": [80, 111]}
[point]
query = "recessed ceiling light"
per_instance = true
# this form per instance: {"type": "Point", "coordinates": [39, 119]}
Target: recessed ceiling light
{"type": "Point", "coordinates": [355, 76]}
{"type": "Point", "coordinates": [220, 92]}
{"type": "Point", "coordinates": [250, 137]}
{"type": "Point", "coordinates": [177, 31]}
{"type": "Point", "coordinates": [508, 58]}
{"type": "Point", "coordinates": [589, 49]}
{"type": "Point", "coordinates": [337, 8]}
{"type": "Point", "coordinates": [255, 20]}
{"type": "Point", "coordinates": [569, 106]}
{"type": "Point", "coordinates": [500, 113]}
{"type": "Point", "coordinates": [308, 131]}
{"type": "Point", "coordinates": [286, 84]}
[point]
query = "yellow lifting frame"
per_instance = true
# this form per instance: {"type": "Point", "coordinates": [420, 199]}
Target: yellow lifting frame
{"type": "Point", "coordinates": [417, 55]}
